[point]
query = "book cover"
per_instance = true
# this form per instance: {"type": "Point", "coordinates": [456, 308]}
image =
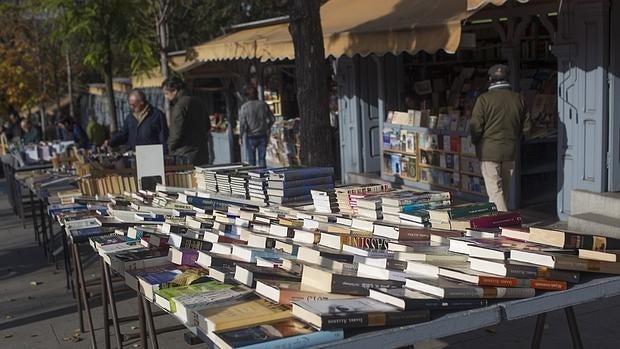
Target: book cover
{"type": "Point", "coordinates": [243, 314]}
{"type": "Point", "coordinates": [355, 313]}
{"type": "Point", "coordinates": [289, 333]}
{"type": "Point", "coordinates": [565, 262]}
{"type": "Point", "coordinates": [496, 220]}
{"type": "Point", "coordinates": [564, 239]}
{"type": "Point", "coordinates": [471, 276]}
{"type": "Point", "coordinates": [163, 297]}
{"type": "Point", "coordinates": [294, 174]}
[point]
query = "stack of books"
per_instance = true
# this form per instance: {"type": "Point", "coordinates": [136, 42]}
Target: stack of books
{"type": "Point", "coordinates": [347, 196]}
{"type": "Point", "coordinates": [294, 185]}
{"type": "Point", "coordinates": [206, 176]}
{"type": "Point", "coordinates": [324, 201]}
{"type": "Point", "coordinates": [409, 207]}
{"type": "Point", "coordinates": [476, 215]}
{"type": "Point", "coordinates": [239, 184]}
{"type": "Point", "coordinates": [257, 185]}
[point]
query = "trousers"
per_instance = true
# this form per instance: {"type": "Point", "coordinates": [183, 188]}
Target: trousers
{"type": "Point", "coordinates": [497, 180]}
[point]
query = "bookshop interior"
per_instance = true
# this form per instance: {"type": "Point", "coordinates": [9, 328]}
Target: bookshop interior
{"type": "Point", "coordinates": [293, 256]}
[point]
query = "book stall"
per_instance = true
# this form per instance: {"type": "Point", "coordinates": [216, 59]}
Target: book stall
{"type": "Point", "coordinates": [250, 257]}
{"type": "Point", "coordinates": [427, 144]}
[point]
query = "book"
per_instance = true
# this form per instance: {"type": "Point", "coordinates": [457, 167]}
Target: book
{"type": "Point", "coordinates": [285, 334]}
{"type": "Point", "coordinates": [311, 252]}
{"type": "Point", "coordinates": [471, 276]}
{"type": "Point", "coordinates": [138, 259]}
{"type": "Point", "coordinates": [249, 254]}
{"type": "Point", "coordinates": [247, 274]}
{"type": "Point", "coordinates": [243, 314]}
{"type": "Point", "coordinates": [183, 256]}
{"type": "Point", "coordinates": [406, 197]}
{"type": "Point", "coordinates": [375, 272]}
{"type": "Point", "coordinates": [515, 233]}
{"type": "Point", "coordinates": [444, 288]}
{"type": "Point", "coordinates": [401, 233]}
{"type": "Point", "coordinates": [315, 182]}
{"type": "Point", "coordinates": [149, 282]}
{"type": "Point", "coordinates": [285, 292]}
{"type": "Point", "coordinates": [488, 220]}
{"type": "Point", "coordinates": [564, 239]}
{"type": "Point", "coordinates": [604, 256]}
{"type": "Point", "coordinates": [516, 269]}
{"type": "Point", "coordinates": [406, 299]}
{"type": "Point", "coordinates": [164, 296]}
{"type": "Point", "coordinates": [345, 281]}
{"type": "Point", "coordinates": [565, 262]}
{"type": "Point", "coordinates": [355, 313]}
{"type": "Point", "coordinates": [461, 211]}
{"type": "Point", "coordinates": [294, 174]}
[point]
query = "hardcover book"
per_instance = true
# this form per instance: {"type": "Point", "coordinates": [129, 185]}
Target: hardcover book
{"type": "Point", "coordinates": [345, 282]}
{"type": "Point", "coordinates": [247, 274]}
{"type": "Point", "coordinates": [354, 313]}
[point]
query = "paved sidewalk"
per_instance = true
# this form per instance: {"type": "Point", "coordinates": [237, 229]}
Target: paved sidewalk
{"type": "Point", "coordinates": [44, 316]}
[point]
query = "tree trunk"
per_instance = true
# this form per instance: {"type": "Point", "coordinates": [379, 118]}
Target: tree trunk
{"type": "Point", "coordinates": [311, 71]}
{"type": "Point", "coordinates": [69, 83]}
{"type": "Point", "coordinates": [162, 16]}
{"type": "Point", "coordinates": [107, 76]}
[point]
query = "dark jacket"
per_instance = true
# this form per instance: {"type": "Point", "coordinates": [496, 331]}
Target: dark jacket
{"type": "Point", "coordinates": [189, 127]}
{"type": "Point", "coordinates": [255, 118]}
{"type": "Point", "coordinates": [499, 119]}
{"type": "Point", "coordinates": [152, 130]}
{"type": "Point", "coordinates": [80, 137]}
{"type": "Point", "coordinates": [32, 136]}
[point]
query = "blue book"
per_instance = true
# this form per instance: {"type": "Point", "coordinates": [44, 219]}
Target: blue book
{"type": "Point", "coordinates": [290, 333]}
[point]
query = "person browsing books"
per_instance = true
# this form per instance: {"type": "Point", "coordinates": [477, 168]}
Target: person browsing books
{"type": "Point", "coordinates": [255, 121]}
{"type": "Point", "coordinates": [146, 125]}
{"type": "Point", "coordinates": [499, 119]}
{"type": "Point", "coordinates": [190, 126]}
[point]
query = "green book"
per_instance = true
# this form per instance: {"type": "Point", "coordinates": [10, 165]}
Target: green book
{"type": "Point", "coordinates": [462, 211]}
{"type": "Point", "coordinates": [163, 297]}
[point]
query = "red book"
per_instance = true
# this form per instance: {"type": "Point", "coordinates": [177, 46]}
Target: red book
{"type": "Point", "coordinates": [496, 220]}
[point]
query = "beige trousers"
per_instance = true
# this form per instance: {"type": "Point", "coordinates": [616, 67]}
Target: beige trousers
{"type": "Point", "coordinates": [497, 178]}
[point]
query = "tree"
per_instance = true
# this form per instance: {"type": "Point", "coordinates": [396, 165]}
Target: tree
{"type": "Point", "coordinates": [99, 26]}
{"type": "Point", "coordinates": [312, 92]}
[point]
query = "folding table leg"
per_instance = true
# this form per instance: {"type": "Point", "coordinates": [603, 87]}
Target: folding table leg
{"type": "Point", "coordinates": [538, 330]}
{"type": "Point", "coordinates": [108, 283]}
{"type": "Point", "coordinates": [76, 287]}
{"type": "Point", "coordinates": [574, 329]}
{"type": "Point", "coordinates": [150, 323]}
{"type": "Point", "coordinates": [80, 272]}
{"type": "Point", "coordinates": [35, 226]}
{"type": "Point", "coordinates": [142, 322]}
{"type": "Point", "coordinates": [104, 307]}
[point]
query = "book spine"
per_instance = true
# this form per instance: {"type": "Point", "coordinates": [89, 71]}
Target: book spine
{"type": "Point", "coordinates": [551, 285]}
{"type": "Point", "coordinates": [463, 212]}
{"type": "Point", "coordinates": [401, 318]}
{"type": "Point", "coordinates": [377, 243]}
{"type": "Point", "coordinates": [413, 235]}
{"type": "Point", "coordinates": [360, 286]}
{"type": "Point", "coordinates": [497, 281]}
{"type": "Point", "coordinates": [447, 303]}
{"type": "Point", "coordinates": [496, 221]}
{"type": "Point", "coordinates": [331, 322]}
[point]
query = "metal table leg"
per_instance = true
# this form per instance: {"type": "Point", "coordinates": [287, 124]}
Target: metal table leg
{"type": "Point", "coordinates": [82, 289]}
{"type": "Point", "coordinates": [76, 288]}
{"type": "Point", "coordinates": [150, 323]}
{"type": "Point", "coordinates": [112, 301]}
{"type": "Point", "coordinates": [104, 308]}
{"type": "Point", "coordinates": [538, 330]}
{"type": "Point", "coordinates": [142, 322]}
{"type": "Point", "coordinates": [574, 329]}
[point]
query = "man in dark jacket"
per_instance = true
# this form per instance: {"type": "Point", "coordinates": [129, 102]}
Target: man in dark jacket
{"type": "Point", "coordinates": [189, 123]}
{"type": "Point", "coordinates": [255, 121]}
{"type": "Point", "coordinates": [30, 133]}
{"type": "Point", "coordinates": [145, 125]}
{"type": "Point", "coordinates": [499, 119]}
{"type": "Point", "coordinates": [68, 129]}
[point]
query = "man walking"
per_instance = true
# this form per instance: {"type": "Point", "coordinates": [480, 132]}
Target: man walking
{"type": "Point", "coordinates": [189, 123]}
{"type": "Point", "coordinates": [255, 121]}
{"type": "Point", "coordinates": [499, 119]}
{"type": "Point", "coordinates": [145, 125]}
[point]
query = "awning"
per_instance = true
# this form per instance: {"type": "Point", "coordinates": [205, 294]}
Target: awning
{"type": "Point", "coordinates": [358, 27]}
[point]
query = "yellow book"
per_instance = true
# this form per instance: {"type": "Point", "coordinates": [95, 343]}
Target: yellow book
{"type": "Point", "coordinates": [241, 315]}
{"type": "Point", "coordinates": [133, 184]}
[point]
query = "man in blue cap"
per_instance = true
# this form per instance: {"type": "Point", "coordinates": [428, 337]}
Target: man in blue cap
{"type": "Point", "coordinates": [499, 119]}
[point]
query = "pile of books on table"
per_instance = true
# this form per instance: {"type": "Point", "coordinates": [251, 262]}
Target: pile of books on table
{"type": "Point", "coordinates": [294, 185]}
{"type": "Point", "coordinates": [240, 276]}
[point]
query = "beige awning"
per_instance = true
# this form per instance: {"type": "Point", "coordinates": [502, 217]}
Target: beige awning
{"type": "Point", "coordinates": [358, 27]}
